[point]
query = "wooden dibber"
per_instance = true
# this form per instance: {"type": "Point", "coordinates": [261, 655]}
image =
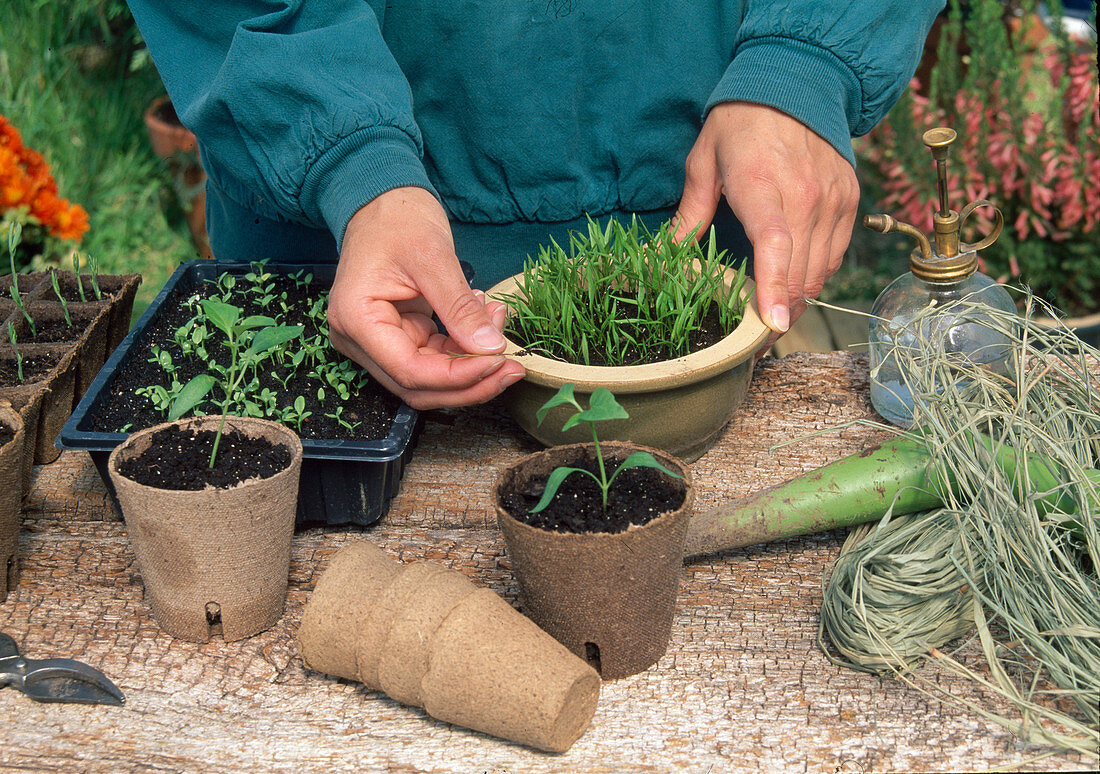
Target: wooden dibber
{"type": "Point", "coordinates": [427, 636]}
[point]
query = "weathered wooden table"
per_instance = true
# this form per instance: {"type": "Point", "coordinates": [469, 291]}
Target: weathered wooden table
{"type": "Point", "coordinates": [743, 686]}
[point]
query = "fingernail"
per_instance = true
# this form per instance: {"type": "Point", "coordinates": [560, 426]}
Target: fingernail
{"type": "Point", "coordinates": [509, 380]}
{"type": "Point", "coordinates": [489, 338]}
{"type": "Point", "coordinates": [781, 319]}
{"type": "Point", "coordinates": [492, 364]}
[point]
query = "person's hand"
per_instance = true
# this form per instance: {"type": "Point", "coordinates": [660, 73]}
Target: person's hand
{"type": "Point", "coordinates": [791, 190]}
{"type": "Point", "coordinates": [397, 265]}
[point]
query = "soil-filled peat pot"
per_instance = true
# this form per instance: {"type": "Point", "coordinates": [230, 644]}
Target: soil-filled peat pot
{"type": "Point", "coordinates": [215, 557]}
{"type": "Point", "coordinates": [608, 597]}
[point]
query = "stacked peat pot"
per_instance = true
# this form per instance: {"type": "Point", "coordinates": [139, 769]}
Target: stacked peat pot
{"type": "Point", "coordinates": [59, 358]}
{"type": "Point", "coordinates": [428, 637]}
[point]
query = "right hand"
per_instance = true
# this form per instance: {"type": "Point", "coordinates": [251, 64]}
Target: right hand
{"type": "Point", "coordinates": [397, 265]}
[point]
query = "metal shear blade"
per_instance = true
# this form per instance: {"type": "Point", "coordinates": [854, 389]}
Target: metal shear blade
{"type": "Point", "coordinates": [55, 679]}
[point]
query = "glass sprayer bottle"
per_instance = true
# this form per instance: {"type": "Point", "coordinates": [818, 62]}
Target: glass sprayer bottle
{"type": "Point", "coordinates": [942, 274]}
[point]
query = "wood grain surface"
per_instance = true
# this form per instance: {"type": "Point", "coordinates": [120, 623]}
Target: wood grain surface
{"type": "Point", "coordinates": [743, 686]}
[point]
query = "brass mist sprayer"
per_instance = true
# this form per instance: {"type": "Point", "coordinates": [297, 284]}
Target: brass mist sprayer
{"type": "Point", "coordinates": [949, 259]}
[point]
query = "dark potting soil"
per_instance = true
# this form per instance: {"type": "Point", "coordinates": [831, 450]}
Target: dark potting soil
{"type": "Point", "coordinates": [636, 497]}
{"type": "Point", "coordinates": [34, 369]}
{"type": "Point", "coordinates": [69, 290]}
{"type": "Point", "coordinates": [57, 331]}
{"type": "Point", "coordinates": [123, 410]}
{"type": "Point", "coordinates": [708, 334]}
{"type": "Point", "coordinates": [6, 434]}
{"type": "Point", "coordinates": [179, 458]}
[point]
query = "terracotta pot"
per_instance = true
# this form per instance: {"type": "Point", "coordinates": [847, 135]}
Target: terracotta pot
{"type": "Point", "coordinates": [677, 405]}
{"type": "Point", "coordinates": [429, 637]}
{"type": "Point", "coordinates": [213, 555]}
{"type": "Point", "coordinates": [11, 498]}
{"type": "Point", "coordinates": [175, 143]}
{"type": "Point", "coordinates": [608, 597]}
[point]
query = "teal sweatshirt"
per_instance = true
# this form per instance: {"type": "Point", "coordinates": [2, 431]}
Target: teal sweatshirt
{"type": "Point", "coordinates": [521, 115]}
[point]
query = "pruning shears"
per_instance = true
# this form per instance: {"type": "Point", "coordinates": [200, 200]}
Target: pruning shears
{"type": "Point", "coordinates": [55, 679]}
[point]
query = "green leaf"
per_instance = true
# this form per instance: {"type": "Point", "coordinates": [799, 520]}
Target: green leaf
{"type": "Point", "coordinates": [255, 321]}
{"type": "Point", "coordinates": [300, 404]}
{"type": "Point", "coordinates": [191, 395]}
{"type": "Point", "coordinates": [601, 406]}
{"type": "Point", "coordinates": [273, 337]}
{"type": "Point", "coordinates": [223, 315]}
{"type": "Point", "coordinates": [641, 459]}
{"type": "Point", "coordinates": [563, 396]}
{"type": "Point", "coordinates": [553, 483]}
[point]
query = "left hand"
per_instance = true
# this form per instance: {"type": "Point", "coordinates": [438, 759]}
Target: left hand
{"type": "Point", "coordinates": [791, 190]}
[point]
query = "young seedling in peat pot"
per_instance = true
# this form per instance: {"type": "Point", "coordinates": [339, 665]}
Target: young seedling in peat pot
{"type": "Point", "coordinates": [573, 561]}
{"type": "Point", "coordinates": [601, 406]}
{"type": "Point", "coordinates": [15, 349]}
{"type": "Point", "coordinates": [15, 234]}
{"type": "Point", "coordinates": [60, 297]}
{"type": "Point", "coordinates": [76, 273]}
{"type": "Point", "coordinates": [227, 318]}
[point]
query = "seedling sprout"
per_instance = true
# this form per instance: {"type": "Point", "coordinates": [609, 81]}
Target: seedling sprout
{"type": "Point", "coordinates": [602, 406]}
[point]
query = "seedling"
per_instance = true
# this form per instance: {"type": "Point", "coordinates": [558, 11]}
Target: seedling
{"type": "Point", "coordinates": [601, 406]}
{"type": "Point", "coordinates": [623, 295]}
{"type": "Point", "coordinates": [15, 234]}
{"type": "Point", "coordinates": [266, 338]}
{"type": "Point", "coordinates": [61, 298]}
{"type": "Point", "coordinates": [76, 272]}
{"type": "Point", "coordinates": [15, 349]}
{"type": "Point", "coordinates": [93, 274]}
{"type": "Point", "coordinates": [338, 415]}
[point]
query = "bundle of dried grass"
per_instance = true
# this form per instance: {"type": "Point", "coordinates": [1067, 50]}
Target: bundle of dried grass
{"type": "Point", "coordinates": [1014, 553]}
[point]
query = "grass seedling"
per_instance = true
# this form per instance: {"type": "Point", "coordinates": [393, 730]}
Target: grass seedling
{"type": "Point", "coordinates": [15, 349]}
{"type": "Point", "coordinates": [601, 406]}
{"type": "Point", "coordinates": [61, 298]}
{"type": "Point", "coordinates": [76, 273]}
{"type": "Point", "coordinates": [93, 275]}
{"type": "Point", "coordinates": [15, 235]}
{"type": "Point", "coordinates": [622, 295]}
{"type": "Point", "coordinates": [227, 318]}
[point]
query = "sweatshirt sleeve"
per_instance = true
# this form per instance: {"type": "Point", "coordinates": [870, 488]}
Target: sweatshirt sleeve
{"type": "Point", "coordinates": [836, 67]}
{"type": "Point", "coordinates": [300, 110]}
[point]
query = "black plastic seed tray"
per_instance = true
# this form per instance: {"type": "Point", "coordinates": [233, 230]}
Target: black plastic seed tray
{"type": "Point", "coordinates": [342, 481]}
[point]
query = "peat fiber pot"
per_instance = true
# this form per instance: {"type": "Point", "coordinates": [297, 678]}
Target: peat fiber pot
{"type": "Point", "coordinates": [677, 405]}
{"type": "Point", "coordinates": [213, 556]}
{"type": "Point", "coordinates": [608, 597]}
{"type": "Point", "coordinates": [11, 496]}
{"type": "Point", "coordinates": [428, 637]}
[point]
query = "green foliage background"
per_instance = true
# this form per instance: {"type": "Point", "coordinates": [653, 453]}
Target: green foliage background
{"type": "Point", "coordinates": [74, 80]}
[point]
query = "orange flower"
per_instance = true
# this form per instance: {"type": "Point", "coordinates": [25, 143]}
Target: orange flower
{"type": "Point", "coordinates": [70, 222]}
{"type": "Point", "coordinates": [25, 181]}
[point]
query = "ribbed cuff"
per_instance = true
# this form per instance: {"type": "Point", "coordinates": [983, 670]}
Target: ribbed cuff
{"type": "Point", "coordinates": [357, 169]}
{"type": "Point", "coordinates": [803, 80]}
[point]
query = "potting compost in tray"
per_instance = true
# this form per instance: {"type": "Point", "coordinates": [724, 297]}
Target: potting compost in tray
{"type": "Point", "coordinates": [356, 437]}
